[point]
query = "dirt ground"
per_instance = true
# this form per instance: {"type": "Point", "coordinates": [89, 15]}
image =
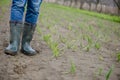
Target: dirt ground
{"type": "Point", "coordinates": [44, 66]}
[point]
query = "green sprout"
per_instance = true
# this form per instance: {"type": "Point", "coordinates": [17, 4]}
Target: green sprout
{"type": "Point", "coordinates": [52, 45]}
{"type": "Point", "coordinates": [100, 71]}
{"type": "Point", "coordinates": [118, 56]}
{"type": "Point", "coordinates": [55, 49]}
{"type": "Point", "coordinates": [89, 39]}
{"type": "Point", "coordinates": [109, 73]}
{"type": "Point", "coordinates": [87, 48]}
{"type": "Point", "coordinates": [62, 39]}
{"type": "Point", "coordinates": [47, 38]}
{"type": "Point", "coordinates": [97, 46]}
{"type": "Point", "coordinates": [70, 28]}
{"type": "Point", "coordinates": [72, 68]}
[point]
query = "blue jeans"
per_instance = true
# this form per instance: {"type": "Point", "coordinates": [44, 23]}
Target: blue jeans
{"type": "Point", "coordinates": [32, 11]}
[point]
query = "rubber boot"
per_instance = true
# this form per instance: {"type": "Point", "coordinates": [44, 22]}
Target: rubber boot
{"type": "Point", "coordinates": [27, 36]}
{"type": "Point", "coordinates": [15, 34]}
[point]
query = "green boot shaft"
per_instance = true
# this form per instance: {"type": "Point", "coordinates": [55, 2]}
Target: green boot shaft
{"type": "Point", "coordinates": [28, 33]}
{"type": "Point", "coordinates": [15, 34]}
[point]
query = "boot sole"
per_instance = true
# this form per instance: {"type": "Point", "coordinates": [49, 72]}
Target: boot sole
{"type": "Point", "coordinates": [26, 53]}
{"type": "Point", "coordinates": [10, 53]}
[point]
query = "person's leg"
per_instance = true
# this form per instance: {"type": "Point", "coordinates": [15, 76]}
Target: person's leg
{"type": "Point", "coordinates": [16, 17]}
{"type": "Point", "coordinates": [17, 10]}
{"type": "Point", "coordinates": [32, 14]}
{"type": "Point", "coordinates": [33, 7]}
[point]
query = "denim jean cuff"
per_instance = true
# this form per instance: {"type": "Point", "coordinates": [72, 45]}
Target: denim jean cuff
{"type": "Point", "coordinates": [16, 22]}
{"type": "Point", "coordinates": [30, 24]}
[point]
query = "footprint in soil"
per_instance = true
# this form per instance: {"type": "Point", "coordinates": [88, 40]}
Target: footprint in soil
{"type": "Point", "coordinates": [19, 68]}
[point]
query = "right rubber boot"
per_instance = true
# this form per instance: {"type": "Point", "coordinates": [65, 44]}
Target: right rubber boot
{"type": "Point", "coordinates": [15, 34]}
{"type": "Point", "coordinates": [27, 36]}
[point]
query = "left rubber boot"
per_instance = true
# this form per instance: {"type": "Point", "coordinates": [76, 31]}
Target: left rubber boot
{"type": "Point", "coordinates": [27, 36]}
{"type": "Point", "coordinates": [15, 34]}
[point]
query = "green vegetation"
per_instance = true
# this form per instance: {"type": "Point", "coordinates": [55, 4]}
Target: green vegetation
{"type": "Point", "coordinates": [4, 2]}
{"type": "Point", "coordinates": [47, 38]}
{"type": "Point", "coordinates": [53, 45]}
{"type": "Point", "coordinates": [99, 15]}
{"type": "Point", "coordinates": [118, 56]}
{"type": "Point", "coordinates": [75, 29]}
{"type": "Point", "coordinates": [97, 46]}
{"type": "Point", "coordinates": [39, 30]}
{"type": "Point", "coordinates": [55, 49]}
{"type": "Point", "coordinates": [101, 58]}
{"type": "Point", "coordinates": [109, 73]}
{"type": "Point", "coordinates": [100, 71]}
{"type": "Point", "coordinates": [72, 68]}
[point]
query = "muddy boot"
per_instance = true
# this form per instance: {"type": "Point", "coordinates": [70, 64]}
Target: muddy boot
{"type": "Point", "coordinates": [15, 34]}
{"type": "Point", "coordinates": [28, 32]}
